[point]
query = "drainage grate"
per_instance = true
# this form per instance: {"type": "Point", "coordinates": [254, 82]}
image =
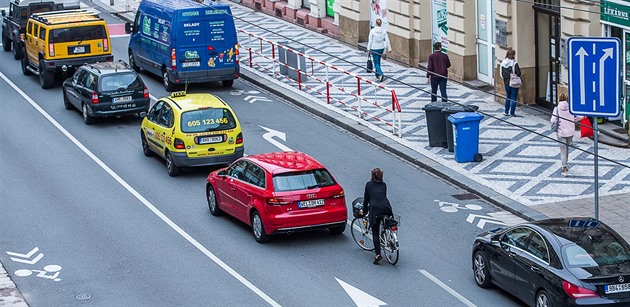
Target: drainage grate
{"type": "Point", "coordinates": [465, 196]}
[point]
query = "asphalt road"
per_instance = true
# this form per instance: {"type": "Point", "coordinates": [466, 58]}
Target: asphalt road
{"type": "Point", "coordinates": [119, 231]}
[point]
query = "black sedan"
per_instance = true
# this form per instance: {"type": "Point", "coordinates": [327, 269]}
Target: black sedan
{"type": "Point", "coordinates": [556, 262]}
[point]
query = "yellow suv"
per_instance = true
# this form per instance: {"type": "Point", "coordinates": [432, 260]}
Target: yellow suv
{"type": "Point", "coordinates": [58, 42]}
{"type": "Point", "coordinates": [192, 130]}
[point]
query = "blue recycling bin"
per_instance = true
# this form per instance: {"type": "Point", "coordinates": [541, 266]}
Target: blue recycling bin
{"type": "Point", "coordinates": [466, 136]}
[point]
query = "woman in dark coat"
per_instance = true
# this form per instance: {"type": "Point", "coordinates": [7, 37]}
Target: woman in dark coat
{"type": "Point", "coordinates": [377, 205]}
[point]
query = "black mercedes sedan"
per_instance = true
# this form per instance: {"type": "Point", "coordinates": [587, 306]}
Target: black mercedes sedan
{"type": "Point", "coordinates": [556, 262]}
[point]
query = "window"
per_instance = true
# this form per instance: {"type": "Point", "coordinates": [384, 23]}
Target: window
{"type": "Point", "coordinates": [597, 249]}
{"type": "Point", "coordinates": [538, 247]}
{"type": "Point", "coordinates": [90, 81]}
{"type": "Point", "coordinates": [74, 34]}
{"type": "Point", "coordinates": [35, 30]}
{"type": "Point", "coordinates": [126, 81]}
{"type": "Point", "coordinates": [255, 175]}
{"type": "Point", "coordinates": [79, 77]}
{"type": "Point", "coordinates": [210, 119]}
{"type": "Point", "coordinates": [42, 33]}
{"type": "Point", "coordinates": [153, 113]}
{"type": "Point", "coordinates": [29, 28]}
{"type": "Point", "coordinates": [237, 170]}
{"type": "Point", "coordinates": [516, 237]}
{"type": "Point", "coordinates": [302, 180]}
{"type": "Point", "coordinates": [136, 23]}
{"type": "Point", "coordinates": [166, 116]}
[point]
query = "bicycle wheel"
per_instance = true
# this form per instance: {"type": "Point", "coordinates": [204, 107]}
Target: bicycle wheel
{"type": "Point", "coordinates": [361, 233]}
{"type": "Point", "coordinates": [390, 246]}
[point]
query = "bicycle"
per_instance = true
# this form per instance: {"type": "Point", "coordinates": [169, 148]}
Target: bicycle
{"type": "Point", "coordinates": [362, 234]}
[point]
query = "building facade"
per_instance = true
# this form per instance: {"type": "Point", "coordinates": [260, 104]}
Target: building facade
{"type": "Point", "coordinates": [476, 34]}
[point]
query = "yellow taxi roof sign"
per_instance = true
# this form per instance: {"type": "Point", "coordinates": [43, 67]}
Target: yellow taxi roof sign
{"type": "Point", "coordinates": [178, 94]}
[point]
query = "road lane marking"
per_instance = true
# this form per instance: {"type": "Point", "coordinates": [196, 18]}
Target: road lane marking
{"type": "Point", "coordinates": [143, 200]}
{"type": "Point", "coordinates": [358, 296]}
{"type": "Point", "coordinates": [447, 288]}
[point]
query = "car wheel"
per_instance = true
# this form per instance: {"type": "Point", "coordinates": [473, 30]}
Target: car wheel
{"type": "Point", "coordinates": [337, 230]}
{"type": "Point", "coordinates": [171, 168]}
{"type": "Point", "coordinates": [5, 42]}
{"type": "Point", "coordinates": [132, 62]}
{"type": "Point", "coordinates": [145, 145]}
{"type": "Point", "coordinates": [46, 78]}
{"type": "Point", "coordinates": [66, 103]}
{"type": "Point", "coordinates": [213, 205]}
{"type": "Point", "coordinates": [168, 85]}
{"type": "Point", "coordinates": [87, 119]}
{"type": "Point", "coordinates": [24, 62]}
{"type": "Point", "coordinates": [480, 270]}
{"type": "Point", "coordinates": [542, 299]}
{"type": "Point", "coordinates": [17, 53]}
{"type": "Point", "coordinates": [227, 83]}
{"type": "Point", "coordinates": [258, 229]}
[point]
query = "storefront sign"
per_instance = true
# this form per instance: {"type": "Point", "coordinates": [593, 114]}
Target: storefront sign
{"type": "Point", "coordinates": [378, 9]}
{"type": "Point", "coordinates": [500, 33]}
{"type": "Point", "coordinates": [439, 14]}
{"type": "Point", "coordinates": [616, 11]}
{"type": "Point", "coordinates": [329, 8]}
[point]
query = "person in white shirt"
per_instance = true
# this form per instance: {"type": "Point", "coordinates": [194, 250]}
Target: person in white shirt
{"type": "Point", "coordinates": [378, 44]}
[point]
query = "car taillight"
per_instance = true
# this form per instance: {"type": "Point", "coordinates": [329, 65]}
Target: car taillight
{"type": "Point", "coordinates": [279, 200]}
{"type": "Point", "coordinates": [394, 228]}
{"type": "Point", "coordinates": [51, 49]}
{"type": "Point", "coordinates": [173, 59]}
{"type": "Point", "coordinates": [146, 92]}
{"type": "Point", "coordinates": [179, 144]}
{"type": "Point", "coordinates": [239, 138]}
{"type": "Point", "coordinates": [236, 53]}
{"type": "Point", "coordinates": [576, 292]}
{"type": "Point", "coordinates": [94, 98]}
{"type": "Point", "coordinates": [338, 194]}
{"type": "Point", "coordinates": [210, 48]}
{"type": "Point", "coordinates": [105, 45]}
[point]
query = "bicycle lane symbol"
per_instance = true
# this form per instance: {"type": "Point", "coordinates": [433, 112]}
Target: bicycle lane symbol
{"type": "Point", "coordinates": [32, 257]}
{"type": "Point", "coordinates": [51, 268]}
{"type": "Point", "coordinates": [453, 207]}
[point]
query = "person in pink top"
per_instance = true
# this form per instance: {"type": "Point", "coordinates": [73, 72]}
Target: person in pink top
{"type": "Point", "coordinates": [566, 129]}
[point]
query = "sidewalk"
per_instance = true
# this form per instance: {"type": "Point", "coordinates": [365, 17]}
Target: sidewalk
{"type": "Point", "coordinates": [521, 168]}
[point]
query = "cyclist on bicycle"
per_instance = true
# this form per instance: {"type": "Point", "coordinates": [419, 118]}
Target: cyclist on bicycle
{"type": "Point", "coordinates": [376, 204]}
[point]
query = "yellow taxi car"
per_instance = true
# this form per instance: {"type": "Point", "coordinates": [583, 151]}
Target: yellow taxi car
{"type": "Point", "coordinates": [192, 130]}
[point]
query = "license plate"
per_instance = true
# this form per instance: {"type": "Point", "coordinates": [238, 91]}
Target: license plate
{"type": "Point", "coordinates": [79, 49]}
{"type": "Point", "coordinates": [617, 288]}
{"type": "Point", "coordinates": [311, 203]}
{"type": "Point", "coordinates": [210, 139]}
{"type": "Point", "coordinates": [121, 99]}
{"type": "Point", "coordinates": [191, 64]}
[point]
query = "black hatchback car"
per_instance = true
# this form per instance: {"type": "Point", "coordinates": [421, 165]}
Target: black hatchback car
{"type": "Point", "coordinates": [556, 262]}
{"type": "Point", "coordinates": [106, 89]}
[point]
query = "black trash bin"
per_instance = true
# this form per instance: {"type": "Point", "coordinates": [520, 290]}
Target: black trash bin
{"type": "Point", "coordinates": [455, 108]}
{"type": "Point", "coordinates": [436, 123]}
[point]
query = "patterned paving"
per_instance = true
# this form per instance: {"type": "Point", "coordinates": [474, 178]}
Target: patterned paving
{"type": "Point", "coordinates": [521, 159]}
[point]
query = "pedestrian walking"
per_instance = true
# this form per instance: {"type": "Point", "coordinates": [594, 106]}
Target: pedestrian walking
{"type": "Point", "coordinates": [378, 44]}
{"type": "Point", "coordinates": [509, 66]}
{"type": "Point", "coordinates": [566, 129]}
{"type": "Point", "coordinates": [437, 71]}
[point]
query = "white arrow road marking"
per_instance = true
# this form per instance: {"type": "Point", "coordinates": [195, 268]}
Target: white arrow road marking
{"type": "Point", "coordinates": [359, 297]}
{"type": "Point", "coordinates": [483, 219]}
{"type": "Point", "coordinates": [269, 137]}
{"type": "Point", "coordinates": [27, 256]}
{"type": "Point", "coordinates": [143, 200]}
{"type": "Point", "coordinates": [608, 54]}
{"type": "Point", "coordinates": [447, 288]}
{"type": "Point", "coordinates": [252, 99]}
{"type": "Point", "coordinates": [582, 53]}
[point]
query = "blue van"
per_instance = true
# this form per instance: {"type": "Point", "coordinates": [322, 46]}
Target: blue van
{"type": "Point", "coordinates": [184, 41]}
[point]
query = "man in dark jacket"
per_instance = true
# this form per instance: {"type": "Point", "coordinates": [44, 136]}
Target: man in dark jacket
{"type": "Point", "coordinates": [437, 71]}
{"type": "Point", "coordinates": [375, 203]}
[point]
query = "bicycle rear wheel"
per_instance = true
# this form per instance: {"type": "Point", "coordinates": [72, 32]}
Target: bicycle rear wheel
{"type": "Point", "coordinates": [390, 246]}
{"type": "Point", "coordinates": [361, 233]}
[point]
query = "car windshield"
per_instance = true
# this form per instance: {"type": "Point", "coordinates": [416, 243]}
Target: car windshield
{"type": "Point", "coordinates": [75, 34]}
{"type": "Point", "coordinates": [210, 119]}
{"type": "Point", "coordinates": [598, 252]}
{"type": "Point", "coordinates": [124, 81]}
{"type": "Point", "coordinates": [302, 180]}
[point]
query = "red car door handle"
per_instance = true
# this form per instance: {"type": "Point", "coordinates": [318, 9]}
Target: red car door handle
{"type": "Point", "coordinates": [233, 188]}
{"type": "Point", "coordinates": [249, 195]}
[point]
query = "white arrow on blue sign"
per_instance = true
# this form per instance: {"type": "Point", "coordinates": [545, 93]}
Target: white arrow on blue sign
{"type": "Point", "coordinates": [594, 76]}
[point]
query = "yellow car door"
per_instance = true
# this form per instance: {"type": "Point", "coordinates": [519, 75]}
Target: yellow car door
{"type": "Point", "coordinates": [149, 126]}
{"type": "Point", "coordinates": [164, 129]}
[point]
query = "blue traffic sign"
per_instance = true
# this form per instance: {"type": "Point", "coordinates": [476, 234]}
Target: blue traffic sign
{"type": "Point", "coordinates": [594, 76]}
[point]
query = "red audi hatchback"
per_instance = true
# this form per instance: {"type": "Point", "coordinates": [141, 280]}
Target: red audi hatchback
{"type": "Point", "coordinates": [280, 192]}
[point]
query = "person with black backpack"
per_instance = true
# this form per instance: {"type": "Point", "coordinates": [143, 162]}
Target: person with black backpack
{"type": "Point", "coordinates": [376, 204]}
{"type": "Point", "coordinates": [511, 74]}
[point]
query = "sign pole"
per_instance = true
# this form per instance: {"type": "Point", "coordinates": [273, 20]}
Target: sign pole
{"type": "Point", "coordinates": [595, 130]}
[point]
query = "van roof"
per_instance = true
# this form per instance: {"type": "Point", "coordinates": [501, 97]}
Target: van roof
{"type": "Point", "coordinates": [175, 5]}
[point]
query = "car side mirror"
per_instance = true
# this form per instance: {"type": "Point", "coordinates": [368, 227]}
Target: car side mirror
{"type": "Point", "coordinates": [142, 114]}
{"type": "Point", "coordinates": [222, 173]}
{"type": "Point", "coordinates": [127, 27]}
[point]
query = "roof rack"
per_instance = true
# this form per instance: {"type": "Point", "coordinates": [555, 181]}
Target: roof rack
{"type": "Point", "coordinates": [43, 17]}
{"type": "Point", "coordinates": [124, 63]}
{"type": "Point", "coordinates": [99, 71]}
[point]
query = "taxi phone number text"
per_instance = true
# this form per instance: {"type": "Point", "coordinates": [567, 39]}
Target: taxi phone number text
{"type": "Point", "coordinates": [208, 121]}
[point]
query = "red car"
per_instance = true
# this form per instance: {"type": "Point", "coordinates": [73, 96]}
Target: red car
{"type": "Point", "coordinates": [280, 192]}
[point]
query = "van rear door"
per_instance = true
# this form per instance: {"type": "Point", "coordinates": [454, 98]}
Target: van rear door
{"type": "Point", "coordinates": [221, 40]}
{"type": "Point", "coordinates": [191, 48]}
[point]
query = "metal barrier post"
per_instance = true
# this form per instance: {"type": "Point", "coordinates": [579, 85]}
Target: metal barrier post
{"type": "Point", "coordinates": [327, 92]}
{"type": "Point", "coordinates": [250, 50]}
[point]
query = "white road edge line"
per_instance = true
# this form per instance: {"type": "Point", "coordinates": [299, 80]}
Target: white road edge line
{"type": "Point", "coordinates": [141, 198]}
{"type": "Point", "coordinates": [447, 288]}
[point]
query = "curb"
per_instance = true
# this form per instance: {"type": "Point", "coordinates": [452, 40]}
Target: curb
{"type": "Point", "coordinates": [9, 293]}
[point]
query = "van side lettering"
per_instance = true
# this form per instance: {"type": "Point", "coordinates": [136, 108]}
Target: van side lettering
{"type": "Point", "coordinates": [216, 12]}
{"type": "Point", "coordinates": [190, 13]}
{"type": "Point", "coordinates": [191, 24]}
